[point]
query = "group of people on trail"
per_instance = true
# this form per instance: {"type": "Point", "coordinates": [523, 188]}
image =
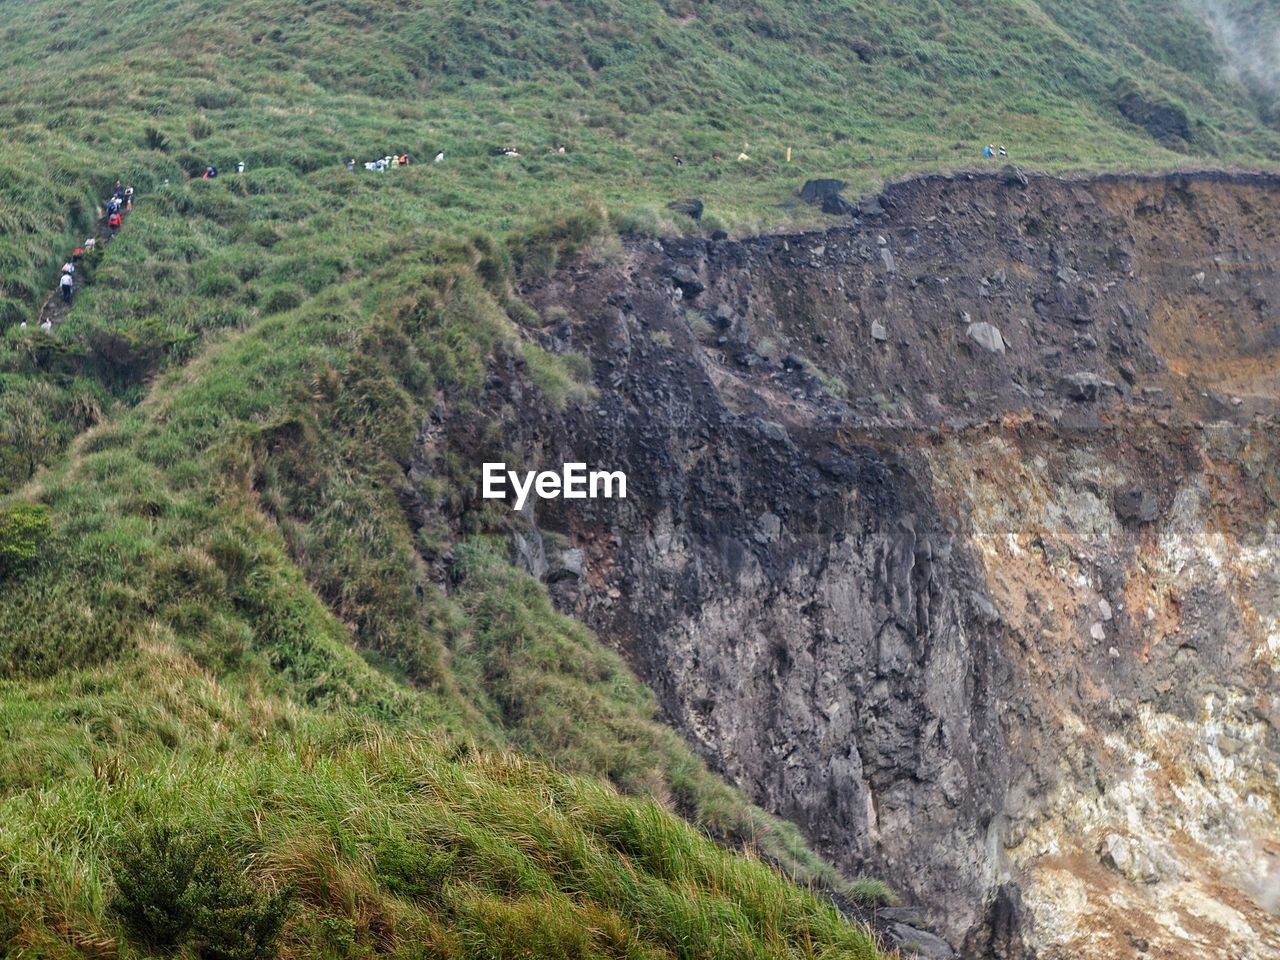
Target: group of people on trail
{"type": "Point", "coordinates": [990, 151]}
{"type": "Point", "coordinates": [384, 164]}
{"type": "Point", "coordinates": [118, 204]}
{"type": "Point", "coordinates": [390, 161]}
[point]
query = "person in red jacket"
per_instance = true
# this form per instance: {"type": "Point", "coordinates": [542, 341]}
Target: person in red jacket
{"type": "Point", "coordinates": [114, 221]}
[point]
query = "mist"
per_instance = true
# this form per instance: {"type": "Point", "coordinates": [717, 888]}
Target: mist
{"type": "Point", "coordinates": [1249, 32]}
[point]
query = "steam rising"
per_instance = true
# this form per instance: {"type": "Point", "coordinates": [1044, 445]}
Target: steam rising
{"type": "Point", "coordinates": [1249, 31]}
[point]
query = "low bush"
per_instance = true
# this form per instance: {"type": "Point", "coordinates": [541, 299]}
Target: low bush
{"type": "Point", "coordinates": [176, 889]}
{"type": "Point", "coordinates": [23, 528]}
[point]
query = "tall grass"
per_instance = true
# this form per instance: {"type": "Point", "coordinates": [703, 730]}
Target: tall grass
{"type": "Point", "coordinates": [230, 625]}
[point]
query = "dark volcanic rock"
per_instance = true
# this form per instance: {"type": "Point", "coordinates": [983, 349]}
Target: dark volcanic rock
{"type": "Point", "coordinates": [806, 571]}
{"type": "Point", "coordinates": [691, 208]}
{"type": "Point", "coordinates": [838, 206]}
{"type": "Point", "coordinates": [1164, 121]}
{"type": "Point", "coordinates": [1135, 505]}
{"type": "Point", "coordinates": [815, 191]}
{"type": "Point", "coordinates": [866, 50]}
{"type": "Point", "coordinates": [914, 942]}
{"type": "Point", "coordinates": [827, 193]}
{"type": "Point", "coordinates": [686, 280]}
{"type": "Point", "coordinates": [1082, 387]}
{"type": "Point", "coordinates": [1013, 177]}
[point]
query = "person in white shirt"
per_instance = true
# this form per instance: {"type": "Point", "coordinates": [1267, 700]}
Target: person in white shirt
{"type": "Point", "coordinates": [68, 287]}
{"type": "Point", "coordinates": [68, 267]}
{"type": "Point", "coordinates": [440, 157]}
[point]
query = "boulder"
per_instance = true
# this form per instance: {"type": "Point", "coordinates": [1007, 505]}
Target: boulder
{"type": "Point", "coordinates": [1135, 505]}
{"type": "Point", "coordinates": [879, 331]}
{"type": "Point", "coordinates": [687, 282]}
{"type": "Point", "coordinates": [914, 942]}
{"type": "Point", "coordinates": [1141, 861]}
{"type": "Point", "coordinates": [768, 528]}
{"type": "Point", "coordinates": [1011, 176]}
{"type": "Point", "coordinates": [566, 566]}
{"type": "Point", "coordinates": [1082, 387]}
{"type": "Point", "coordinates": [870, 207]}
{"type": "Point", "coordinates": [691, 208]}
{"type": "Point", "coordinates": [816, 191]}
{"type": "Point", "coordinates": [865, 49]}
{"type": "Point", "coordinates": [1162, 120]}
{"type": "Point", "coordinates": [987, 336]}
{"type": "Point", "coordinates": [838, 206]}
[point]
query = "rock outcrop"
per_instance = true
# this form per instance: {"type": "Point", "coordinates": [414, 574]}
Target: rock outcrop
{"type": "Point", "coordinates": [963, 557]}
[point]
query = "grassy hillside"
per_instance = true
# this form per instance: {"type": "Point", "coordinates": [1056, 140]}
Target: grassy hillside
{"type": "Point", "coordinates": [222, 654]}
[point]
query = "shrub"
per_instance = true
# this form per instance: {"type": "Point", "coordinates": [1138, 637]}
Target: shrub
{"type": "Point", "coordinates": [177, 889]}
{"type": "Point", "coordinates": [23, 528]}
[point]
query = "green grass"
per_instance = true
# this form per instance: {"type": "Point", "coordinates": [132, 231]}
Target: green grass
{"type": "Point", "coordinates": [229, 625]}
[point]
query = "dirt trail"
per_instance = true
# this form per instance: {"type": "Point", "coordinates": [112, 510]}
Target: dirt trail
{"type": "Point", "coordinates": [55, 310]}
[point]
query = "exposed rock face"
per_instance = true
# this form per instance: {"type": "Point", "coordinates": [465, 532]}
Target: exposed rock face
{"type": "Point", "coordinates": [923, 596]}
{"type": "Point", "coordinates": [1164, 121]}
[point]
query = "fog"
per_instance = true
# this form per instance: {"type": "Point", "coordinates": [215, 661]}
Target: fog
{"type": "Point", "coordinates": [1249, 31]}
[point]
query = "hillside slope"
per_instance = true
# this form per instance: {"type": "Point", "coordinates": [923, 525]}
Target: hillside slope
{"type": "Point", "coordinates": [250, 614]}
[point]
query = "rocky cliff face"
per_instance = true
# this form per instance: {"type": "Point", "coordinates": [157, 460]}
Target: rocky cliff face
{"type": "Point", "coordinates": [951, 537]}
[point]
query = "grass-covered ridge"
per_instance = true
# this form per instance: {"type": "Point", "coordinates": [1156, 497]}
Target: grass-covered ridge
{"type": "Point", "coordinates": [214, 616]}
{"type": "Point", "coordinates": [230, 581]}
{"type": "Point", "coordinates": [152, 90]}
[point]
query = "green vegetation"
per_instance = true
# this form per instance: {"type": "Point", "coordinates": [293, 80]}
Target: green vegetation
{"type": "Point", "coordinates": [226, 664]}
{"type": "Point", "coordinates": [23, 528]}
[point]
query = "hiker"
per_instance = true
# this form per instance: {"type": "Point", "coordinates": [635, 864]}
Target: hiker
{"type": "Point", "coordinates": [679, 160]}
{"type": "Point", "coordinates": [118, 190]}
{"type": "Point", "coordinates": [68, 286]}
{"type": "Point", "coordinates": [69, 267]}
{"type": "Point", "coordinates": [47, 324]}
{"type": "Point", "coordinates": [240, 167]}
{"type": "Point", "coordinates": [115, 221]}
{"type": "Point", "coordinates": [404, 160]}
{"type": "Point", "coordinates": [511, 152]}
{"type": "Point", "coordinates": [90, 243]}
{"type": "Point", "coordinates": [1003, 151]}
{"type": "Point", "coordinates": [113, 205]}
{"type": "Point", "coordinates": [77, 254]}
{"type": "Point", "coordinates": [440, 157]}
{"type": "Point", "coordinates": [561, 149]}
{"type": "Point", "coordinates": [210, 172]}
{"type": "Point", "coordinates": [988, 151]}
{"type": "Point", "coordinates": [128, 198]}
{"type": "Point", "coordinates": [351, 165]}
